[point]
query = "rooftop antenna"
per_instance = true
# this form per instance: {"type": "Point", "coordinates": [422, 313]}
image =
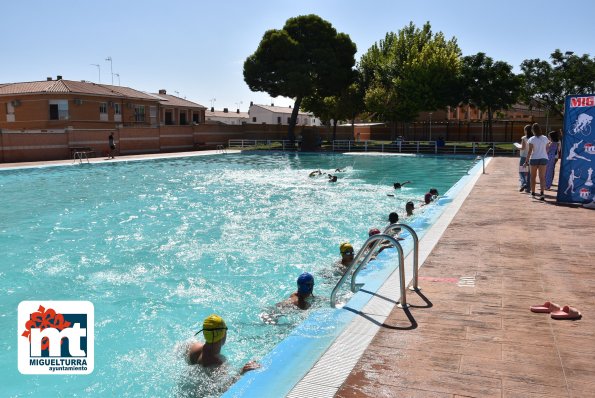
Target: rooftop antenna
{"type": "Point", "coordinates": [238, 104]}
{"type": "Point", "coordinates": [213, 102]}
{"type": "Point", "coordinates": [177, 93]}
{"type": "Point", "coordinates": [111, 66]}
{"type": "Point", "coordinates": [99, 70]}
{"type": "Point", "coordinates": [118, 75]}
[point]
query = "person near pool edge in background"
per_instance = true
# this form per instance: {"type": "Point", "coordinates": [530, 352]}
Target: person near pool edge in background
{"type": "Point", "coordinates": [112, 145]}
{"type": "Point", "coordinates": [208, 354]}
{"type": "Point", "coordinates": [524, 178]}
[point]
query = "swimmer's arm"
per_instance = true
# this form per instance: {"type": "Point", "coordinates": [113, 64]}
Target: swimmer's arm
{"type": "Point", "coordinates": [252, 365]}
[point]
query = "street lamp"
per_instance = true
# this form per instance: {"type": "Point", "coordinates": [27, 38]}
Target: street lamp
{"type": "Point", "coordinates": [99, 70]}
{"type": "Point", "coordinates": [118, 75]}
{"type": "Point", "coordinates": [111, 67]}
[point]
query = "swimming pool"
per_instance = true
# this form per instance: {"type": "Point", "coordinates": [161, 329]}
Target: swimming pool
{"type": "Point", "coordinates": [158, 245]}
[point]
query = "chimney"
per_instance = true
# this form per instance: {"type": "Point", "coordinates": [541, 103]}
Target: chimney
{"type": "Point", "coordinates": [251, 103]}
{"type": "Point", "coordinates": [212, 109]}
{"type": "Point", "coordinates": [49, 79]}
{"type": "Point", "coordinates": [225, 110]}
{"type": "Point", "coordinates": [272, 104]}
{"type": "Point", "coordinates": [238, 111]}
{"type": "Point", "coordinates": [59, 77]}
{"type": "Point", "coordinates": [162, 91]}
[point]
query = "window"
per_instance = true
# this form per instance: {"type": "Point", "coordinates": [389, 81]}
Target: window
{"type": "Point", "coordinates": [10, 112]}
{"type": "Point", "coordinates": [169, 118]}
{"type": "Point", "coordinates": [278, 119]}
{"type": "Point", "coordinates": [153, 115]}
{"type": "Point", "coordinates": [139, 113]}
{"type": "Point", "coordinates": [183, 117]}
{"type": "Point", "coordinates": [254, 119]}
{"type": "Point", "coordinates": [196, 117]}
{"type": "Point", "coordinates": [117, 109]}
{"type": "Point", "coordinates": [288, 119]}
{"type": "Point", "coordinates": [103, 111]}
{"type": "Point", "coordinates": [58, 109]}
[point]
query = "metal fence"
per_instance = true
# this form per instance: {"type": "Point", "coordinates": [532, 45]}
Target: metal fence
{"type": "Point", "coordinates": [417, 147]}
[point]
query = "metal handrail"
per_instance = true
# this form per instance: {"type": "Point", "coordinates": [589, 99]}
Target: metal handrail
{"type": "Point", "coordinates": [374, 239]}
{"type": "Point", "coordinates": [394, 227]}
{"type": "Point", "coordinates": [483, 158]}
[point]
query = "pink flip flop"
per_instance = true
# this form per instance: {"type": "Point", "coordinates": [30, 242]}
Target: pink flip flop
{"type": "Point", "coordinates": [566, 313]}
{"type": "Point", "coordinates": [547, 307]}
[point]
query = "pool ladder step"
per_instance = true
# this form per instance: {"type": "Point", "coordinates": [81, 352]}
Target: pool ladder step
{"type": "Point", "coordinates": [375, 240]}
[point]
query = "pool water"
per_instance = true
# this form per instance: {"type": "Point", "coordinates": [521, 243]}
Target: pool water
{"type": "Point", "coordinates": [159, 245]}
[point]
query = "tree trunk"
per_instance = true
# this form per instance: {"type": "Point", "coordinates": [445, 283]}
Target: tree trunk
{"type": "Point", "coordinates": [293, 120]}
{"type": "Point", "coordinates": [334, 129]}
{"type": "Point", "coordinates": [490, 124]}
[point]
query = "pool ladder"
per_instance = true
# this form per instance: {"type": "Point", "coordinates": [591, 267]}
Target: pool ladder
{"type": "Point", "coordinates": [221, 149]}
{"type": "Point", "coordinates": [375, 240]}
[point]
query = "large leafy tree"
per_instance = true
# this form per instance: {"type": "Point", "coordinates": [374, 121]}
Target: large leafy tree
{"type": "Point", "coordinates": [549, 83]}
{"type": "Point", "coordinates": [410, 71]}
{"type": "Point", "coordinates": [489, 85]}
{"type": "Point", "coordinates": [344, 106]}
{"type": "Point", "coordinates": [305, 58]}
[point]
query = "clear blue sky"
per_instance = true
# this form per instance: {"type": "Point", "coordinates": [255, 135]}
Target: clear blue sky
{"type": "Point", "coordinates": [197, 48]}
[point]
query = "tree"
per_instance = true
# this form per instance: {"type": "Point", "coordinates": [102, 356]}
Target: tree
{"type": "Point", "coordinates": [344, 106]}
{"type": "Point", "coordinates": [489, 85]}
{"type": "Point", "coordinates": [549, 84]}
{"type": "Point", "coordinates": [411, 71]}
{"type": "Point", "coordinates": [305, 58]}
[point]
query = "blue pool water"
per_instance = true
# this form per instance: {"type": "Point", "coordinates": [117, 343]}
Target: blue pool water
{"type": "Point", "coordinates": [158, 245]}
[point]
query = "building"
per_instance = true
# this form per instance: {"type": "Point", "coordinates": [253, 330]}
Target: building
{"type": "Point", "coordinates": [59, 104]}
{"type": "Point", "coordinates": [264, 114]}
{"type": "Point", "coordinates": [226, 117]}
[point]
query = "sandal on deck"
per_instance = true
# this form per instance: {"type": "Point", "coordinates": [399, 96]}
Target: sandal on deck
{"type": "Point", "coordinates": [547, 307]}
{"type": "Point", "coordinates": [566, 313]}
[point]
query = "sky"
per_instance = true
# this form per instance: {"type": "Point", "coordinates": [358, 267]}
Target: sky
{"type": "Point", "coordinates": [196, 49]}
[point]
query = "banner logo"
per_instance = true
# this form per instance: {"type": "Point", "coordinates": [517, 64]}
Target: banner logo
{"type": "Point", "coordinates": [55, 337]}
{"type": "Point", "coordinates": [578, 102]}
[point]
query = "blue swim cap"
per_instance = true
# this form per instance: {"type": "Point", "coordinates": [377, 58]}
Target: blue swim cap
{"type": "Point", "coordinates": [305, 283]}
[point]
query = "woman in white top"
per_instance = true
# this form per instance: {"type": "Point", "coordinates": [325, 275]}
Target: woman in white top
{"type": "Point", "coordinates": [537, 158]}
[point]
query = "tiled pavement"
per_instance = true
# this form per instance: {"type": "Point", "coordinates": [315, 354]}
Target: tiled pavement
{"type": "Point", "coordinates": [478, 338]}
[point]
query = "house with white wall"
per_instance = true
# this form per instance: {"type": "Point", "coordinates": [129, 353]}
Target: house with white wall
{"type": "Point", "coordinates": [264, 114]}
{"type": "Point", "coordinates": [226, 117]}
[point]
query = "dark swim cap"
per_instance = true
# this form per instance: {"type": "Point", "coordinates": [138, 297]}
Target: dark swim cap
{"type": "Point", "coordinates": [305, 283]}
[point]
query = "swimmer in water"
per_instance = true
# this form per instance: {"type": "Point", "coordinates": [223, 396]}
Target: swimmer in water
{"type": "Point", "coordinates": [347, 255]}
{"type": "Point", "coordinates": [409, 207]}
{"type": "Point", "coordinates": [208, 354]}
{"type": "Point", "coordinates": [305, 287]}
{"type": "Point", "coordinates": [398, 185]}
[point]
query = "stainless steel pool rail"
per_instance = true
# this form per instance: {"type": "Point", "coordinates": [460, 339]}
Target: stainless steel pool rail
{"type": "Point", "coordinates": [394, 227]}
{"type": "Point", "coordinates": [375, 239]}
{"type": "Point", "coordinates": [483, 158]}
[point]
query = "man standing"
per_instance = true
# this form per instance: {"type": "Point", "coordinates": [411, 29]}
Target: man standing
{"type": "Point", "coordinates": [112, 145]}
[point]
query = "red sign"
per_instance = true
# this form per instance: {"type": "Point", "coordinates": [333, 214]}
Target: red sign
{"type": "Point", "coordinates": [577, 102]}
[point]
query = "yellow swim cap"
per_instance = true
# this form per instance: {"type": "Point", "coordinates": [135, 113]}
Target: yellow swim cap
{"type": "Point", "coordinates": [213, 328]}
{"type": "Point", "coordinates": [345, 247]}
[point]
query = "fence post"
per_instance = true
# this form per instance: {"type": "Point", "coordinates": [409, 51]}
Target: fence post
{"type": "Point", "coordinates": [366, 146]}
{"type": "Point", "coordinates": [382, 147]}
{"type": "Point", "coordinates": [435, 148]}
{"type": "Point", "coordinates": [400, 150]}
{"type": "Point", "coordinates": [349, 145]}
{"type": "Point", "coordinates": [417, 146]}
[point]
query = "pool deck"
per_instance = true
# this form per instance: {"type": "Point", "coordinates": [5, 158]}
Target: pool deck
{"type": "Point", "coordinates": [474, 335]}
